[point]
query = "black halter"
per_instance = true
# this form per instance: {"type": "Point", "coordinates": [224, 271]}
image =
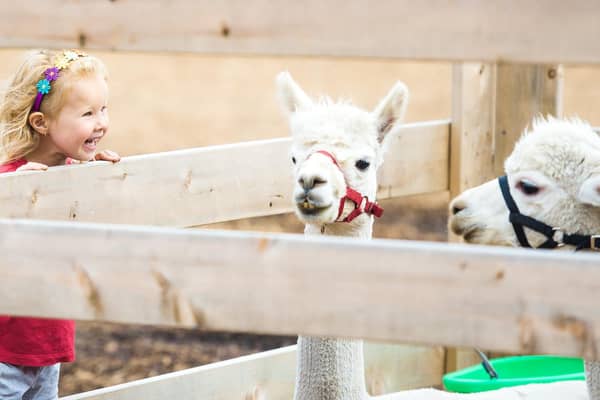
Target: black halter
{"type": "Point", "coordinates": [556, 237]}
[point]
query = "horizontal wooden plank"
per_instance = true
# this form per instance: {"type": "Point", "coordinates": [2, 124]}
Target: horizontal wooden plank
{"type": "Point", "coordinates": [206, 185]}
{"type": "Point", "coordinates": [429, 29]}
{"type": "Point", "coordinates": [500, 299]}
{"type": "Point", "coordinates": [271, 375]}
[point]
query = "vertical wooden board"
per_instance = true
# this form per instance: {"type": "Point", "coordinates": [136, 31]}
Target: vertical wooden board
{"type": "Point", "coordinates": [523, 93]}
{"type": "Point", "coordinates": [459, 358]}
{"type": "Point", "coordinates": [390, 368]}
{"type": "Point", "coordinates": [491, 105]}
{"type": "Point", "coordinates": [472, 130]}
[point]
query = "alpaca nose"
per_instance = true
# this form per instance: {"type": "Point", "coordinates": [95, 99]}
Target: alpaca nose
{"type": "Point", "coordinates": [308, 182]}
{"type": "Point", "coordinates": [457, 205]}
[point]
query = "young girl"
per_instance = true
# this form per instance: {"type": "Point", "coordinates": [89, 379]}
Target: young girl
{"type": "Point", "coordinates": [54, 112]}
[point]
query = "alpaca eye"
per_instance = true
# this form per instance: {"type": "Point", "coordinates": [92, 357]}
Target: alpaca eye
{"type": "Point", "coordinates": [294, 160]}
{"type": "Point", "coordinates": [528, 188]}
{"type": "Point", "coordinates": [362, 164]}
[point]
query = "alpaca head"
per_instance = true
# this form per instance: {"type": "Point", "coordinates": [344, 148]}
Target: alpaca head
{"type": "Point", "coordinates": [335, 146]}
{"type": "Point", "coordinates": [553, 176]}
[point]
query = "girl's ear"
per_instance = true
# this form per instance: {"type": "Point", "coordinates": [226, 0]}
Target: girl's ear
{"type": "Point", "coordinates": [589, 192]}
{"type": "Point", "coordinates": [38, 122]}
{"type": "Point", "coordinates": [391, 109]}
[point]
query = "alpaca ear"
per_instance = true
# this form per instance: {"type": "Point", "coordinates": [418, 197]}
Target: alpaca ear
{"type": "Point", "coordinates": [391, 109]}
{"type": "Point", "coordinates": [589, 193]}
{"type": "Point", "coordinates": [291, 96]}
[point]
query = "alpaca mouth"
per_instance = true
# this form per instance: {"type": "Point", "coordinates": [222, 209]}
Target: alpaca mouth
{"type": "Point", "coordinates": [468, 233]}
{"type": "Point", "coordinates": [307, 207]}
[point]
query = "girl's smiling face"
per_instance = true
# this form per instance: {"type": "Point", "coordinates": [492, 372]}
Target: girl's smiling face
{"type": "Point", "coordinates": [83, 119]}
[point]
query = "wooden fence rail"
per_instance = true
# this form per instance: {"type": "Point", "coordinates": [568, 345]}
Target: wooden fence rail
{"type": "Point", "coordinates": [509, 30]}
{"type": "Point", "coordinates": [271, 374]}
{"type": "Point", "coordinates": [210, 184]}
{"type": "Point", "coordinates": [500, 299]}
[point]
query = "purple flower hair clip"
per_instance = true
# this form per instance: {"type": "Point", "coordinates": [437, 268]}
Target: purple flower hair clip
{"type": "Point", "coordinates": [61, 62]}
{"type": "Point", "coordinates": [51, 74]}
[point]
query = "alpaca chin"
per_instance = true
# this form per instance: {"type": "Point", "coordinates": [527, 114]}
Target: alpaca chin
{"type": "Point", "coordinates": [316, 216]}
{"type": "Point", "coordinates": [486, 236]}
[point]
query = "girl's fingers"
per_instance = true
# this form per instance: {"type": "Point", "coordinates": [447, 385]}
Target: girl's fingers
{"type": "Point", "coordinates": [33, 166]}
{"type": "Point", "coordinates": [108, 155]}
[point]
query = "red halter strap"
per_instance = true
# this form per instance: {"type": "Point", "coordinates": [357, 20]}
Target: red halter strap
{"type": "Point", "coordinates": [361, 203]}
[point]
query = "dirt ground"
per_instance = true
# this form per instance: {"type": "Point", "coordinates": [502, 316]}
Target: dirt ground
{"type": "Point", "coordinates": [162, 102]}
{"type": "Point", "coordinates": [109, 354]}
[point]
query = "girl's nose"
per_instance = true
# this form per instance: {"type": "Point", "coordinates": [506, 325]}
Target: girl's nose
{"type": "Point", "coordinates": [102, 121]}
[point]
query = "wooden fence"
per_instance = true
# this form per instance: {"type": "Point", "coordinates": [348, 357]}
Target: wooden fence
{"type": "Point", "coordinates": [497, 299]}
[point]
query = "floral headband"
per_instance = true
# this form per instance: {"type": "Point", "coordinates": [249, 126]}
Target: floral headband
{"type": "Point", "coordinates": [61, 61]}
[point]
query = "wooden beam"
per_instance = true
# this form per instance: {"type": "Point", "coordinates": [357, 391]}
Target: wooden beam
{"type": "Point", "coordinates": [210, 184]}
{"type": "Point", "coordinates": [523, 92]}
{"type": "Point", "coordinates": [428, 29]}
{"type": "Point", "coordinates": [500, 299]}
{"type": "Point", "coordinates": [472, 130]}
{"type": "Point", "coordinates": [492, 105]}
{"type": "Point", "coordinates": [271, 375]}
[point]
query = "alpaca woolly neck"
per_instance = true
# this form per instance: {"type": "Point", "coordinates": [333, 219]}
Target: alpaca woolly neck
{"type": "Point", "coordinates": [331, 368]}
{"type": "Point", "coordinates": [592, 378]}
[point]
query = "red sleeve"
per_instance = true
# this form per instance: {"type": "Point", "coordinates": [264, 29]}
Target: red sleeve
{"type": "Point", "coordinates": [12, 166]}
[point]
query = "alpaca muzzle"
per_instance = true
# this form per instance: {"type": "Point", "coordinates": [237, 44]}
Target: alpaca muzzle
{"type": "Point", "coordinates": [362, 204]}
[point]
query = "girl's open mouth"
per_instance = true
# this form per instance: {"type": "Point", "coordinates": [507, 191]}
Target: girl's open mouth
{"type": "Point", "coordinates": [90, 144]}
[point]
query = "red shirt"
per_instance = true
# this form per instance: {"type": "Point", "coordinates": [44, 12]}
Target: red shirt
{"type": "Point", "coordinates": [35, 342]}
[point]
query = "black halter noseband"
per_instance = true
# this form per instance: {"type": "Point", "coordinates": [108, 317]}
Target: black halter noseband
{"type": "Point", "coordinates": [555, 236]}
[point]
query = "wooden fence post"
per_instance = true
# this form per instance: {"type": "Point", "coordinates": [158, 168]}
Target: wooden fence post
{"type": "Point", "coordinates": [491, 106]}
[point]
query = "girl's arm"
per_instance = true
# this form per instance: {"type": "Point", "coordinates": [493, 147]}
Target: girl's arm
{"type": "Point", "coordinates": [32, 166]}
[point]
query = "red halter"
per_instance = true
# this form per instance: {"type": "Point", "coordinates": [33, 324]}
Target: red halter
{"type": "Point", "coordinates": [361, 203]}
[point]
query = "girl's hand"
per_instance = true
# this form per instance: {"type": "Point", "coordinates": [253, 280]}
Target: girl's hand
{"type": "Point", "coordinates": [33, 166]}
{"type": "Point", "coordinates": [107, 155]}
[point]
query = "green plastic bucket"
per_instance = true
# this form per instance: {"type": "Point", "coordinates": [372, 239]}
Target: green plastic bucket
{"type": "Point", "coordinates": [513, 371]}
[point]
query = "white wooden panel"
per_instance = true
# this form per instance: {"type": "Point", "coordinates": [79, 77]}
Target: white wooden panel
{"type": "Point", "coordinates": [210, 184]}
{"type": "Point", "coordinates": [509, 30]}
{"type": "Point", "coordinates": [500, 299]}
{"type": "Point", "coordinates": [271, 375]}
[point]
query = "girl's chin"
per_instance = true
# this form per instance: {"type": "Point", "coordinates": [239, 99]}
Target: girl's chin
{"type": "Point", "coordinates": [82, 156]}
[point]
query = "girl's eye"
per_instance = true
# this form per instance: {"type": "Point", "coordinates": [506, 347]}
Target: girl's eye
{"type": "Point", "coordinates": [294, 160]}
{"type": "Point", "coordinates": [362, 165]}
{"type": "Point", "coordinates": [528, 188]}
{"type": "Point", "coordinates": [87, 114]}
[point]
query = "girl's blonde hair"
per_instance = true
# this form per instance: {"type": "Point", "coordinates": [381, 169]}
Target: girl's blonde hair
{"type": "Point", "coordinates": [17, 136]}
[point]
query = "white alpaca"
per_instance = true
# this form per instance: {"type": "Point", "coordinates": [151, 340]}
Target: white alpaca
{"type": "Point", "coordinates": [553, 176]}
{"type": "Point", "coordinates": [337, 146]}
